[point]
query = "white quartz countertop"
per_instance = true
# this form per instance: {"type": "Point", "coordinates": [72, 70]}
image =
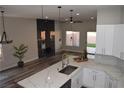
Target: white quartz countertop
{"type": "Point", "coordinates": [113, 71]}
{"type": "Point", "coordinates": [50, 77]}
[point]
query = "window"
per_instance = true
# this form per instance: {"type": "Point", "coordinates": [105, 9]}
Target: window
{"type": "Point", "coordinates": [72, 38]}
{"type": "Point", "coordinates": [43, 36]}
{"type": "Point", "coordinates": [91, 44]}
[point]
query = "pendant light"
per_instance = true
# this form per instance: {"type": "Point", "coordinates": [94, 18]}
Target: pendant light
{"type": "Point", "coordinates": [71, 18]}
{"type": "Point", "coordinates": [59, 7]}
{"type": "Point", "coordinates": [4, 39]}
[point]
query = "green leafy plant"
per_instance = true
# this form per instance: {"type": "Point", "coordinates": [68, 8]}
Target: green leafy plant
{"type": "Point", "coordinates": [20, 51]}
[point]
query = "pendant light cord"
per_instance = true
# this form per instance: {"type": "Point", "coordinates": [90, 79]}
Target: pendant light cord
{"type": "Point", "coordinates": [4, 33]}
{"type": "Point", "coordinates": [59, 12]}
{"type": "Point", "coordinates": [42, 10]}
{"type": "Point", "coordinates": [4, 36]}
{"type": "Point", "coordinates": [3, 21]}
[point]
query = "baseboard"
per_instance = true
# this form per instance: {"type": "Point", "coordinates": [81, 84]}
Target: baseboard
{"type": "Point", "coordinates": [31, 59]}
{"type": "Point", "coordinates": [5, 68]}
{"type": "Point", "coordinates": [14, 65]}
{"type": "Point", "coordinates": [71, 50]}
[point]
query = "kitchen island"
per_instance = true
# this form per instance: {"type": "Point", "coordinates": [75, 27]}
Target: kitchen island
{"type": "Point", "coordinates": [52, 78]}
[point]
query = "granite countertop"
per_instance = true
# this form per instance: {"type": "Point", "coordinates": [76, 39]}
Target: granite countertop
{"type": "Point", "coordinates": [50, 77]}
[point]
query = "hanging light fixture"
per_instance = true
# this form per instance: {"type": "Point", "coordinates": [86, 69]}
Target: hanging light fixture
{"type": "Point", "coordinates": [71, 18]}
{"type": "Point", "coordinates": [4, 39]}
{"type": "Point", "coordinates": [59, 7]}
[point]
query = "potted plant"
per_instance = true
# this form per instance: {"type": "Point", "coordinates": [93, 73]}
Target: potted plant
{"type": "Point", "coordinates": [19, 53]}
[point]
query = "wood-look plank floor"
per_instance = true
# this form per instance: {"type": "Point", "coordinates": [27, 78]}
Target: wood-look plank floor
{"type": "Point", "coordinates": [16, 74]}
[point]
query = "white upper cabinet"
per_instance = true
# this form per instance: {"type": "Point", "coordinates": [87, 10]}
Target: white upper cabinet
{"type": "Point", "coordinates": [118, 45]}
{"type": "Point", "coordinates": [100, 40]}
{"type": "Point", "coordinates": [104, 39]}
{"type": "Point", "coordinates": [110, 40]}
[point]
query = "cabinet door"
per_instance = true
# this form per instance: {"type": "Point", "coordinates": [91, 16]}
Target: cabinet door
{"type": "Point", "coordinates": [104, 39]}
{"type": "Point", "coordinates": [77, 80]}
{"type": "Point", "coordinates": [100, 39]}
{"type": "Point", "coordinates": [118, 47]}
{"type": "Point", "coordinates": [109, 32]}
{"type": "Point", "coordinates": [99, 79]}
{"type": "Point", "coordinates": [110, 83]}
{"type": "Point", "coordinates": [88, 78]}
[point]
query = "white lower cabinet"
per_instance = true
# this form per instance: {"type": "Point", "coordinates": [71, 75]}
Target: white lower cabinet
{"type": "Point", "coordinates": [88, 78]}
{"type": "Point", "coordinates": [110, 82]}
{"type": "Point", "coordinates": [77, 80]}
{"type": "Point", "coordinates": [93, 78]}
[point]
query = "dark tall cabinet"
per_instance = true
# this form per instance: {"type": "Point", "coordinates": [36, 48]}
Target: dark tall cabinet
{"type": "Point", "coordinates": [46, 37]}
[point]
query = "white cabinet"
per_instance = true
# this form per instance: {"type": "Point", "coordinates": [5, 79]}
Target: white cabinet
{"type": "Point", "coordinates": [100, 40]}
{"type": "Point", "coordinates": [104, 39]}
{"type": "Point", "coordinates": [110, 82]}
{"type": "Point", "coordinates": [88, 79]}
{"type": "Point", "coordinates": [118, 46]}
{"type": "Point", "coordinates": [93, 78]}
{"type": "Point", "coordinates": [77, 80]}
{"type": "Point", "coordinates": [109, 40]}
{"type": "Point", "coordinates": [99, 79]}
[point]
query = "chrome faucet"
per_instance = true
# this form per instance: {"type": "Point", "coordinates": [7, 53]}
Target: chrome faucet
{"type": "Point", "coordinates": [63, 63]}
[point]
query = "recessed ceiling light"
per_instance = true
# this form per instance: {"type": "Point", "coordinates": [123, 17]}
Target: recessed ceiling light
{"type": "Point", "coordinates": [71, 22]}
{"type": "Point", "coordinates": [91, 17]}
{"type": "Point", "coordinates": [46, 17]}
{"type": "Point", "coordinates": [77, 14]}
{"type": "Point", "coordinates": [66, 19]}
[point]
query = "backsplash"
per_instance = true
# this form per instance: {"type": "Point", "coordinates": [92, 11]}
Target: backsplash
{"type": "Point", "coordinates": [111, 60]}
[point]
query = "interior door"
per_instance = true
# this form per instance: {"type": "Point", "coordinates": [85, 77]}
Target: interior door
{"type": "Point", "coordinates": [45, 26]}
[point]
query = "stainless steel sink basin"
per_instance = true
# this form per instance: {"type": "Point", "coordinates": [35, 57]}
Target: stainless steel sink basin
{"type": "Point", "coordinates": [68, 70]}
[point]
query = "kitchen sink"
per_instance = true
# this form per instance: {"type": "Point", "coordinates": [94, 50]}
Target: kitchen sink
{"type": "Point", "coordinates": [68, 69]}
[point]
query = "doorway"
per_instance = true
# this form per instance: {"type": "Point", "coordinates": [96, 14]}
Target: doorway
{"type": "Point", "coordinates": [91, 44]}
{"type": "Point", "coordinates": [46, 38]}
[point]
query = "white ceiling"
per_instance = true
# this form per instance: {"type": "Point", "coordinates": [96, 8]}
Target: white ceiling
{"type": "Point", "coordinates": [34, 11]}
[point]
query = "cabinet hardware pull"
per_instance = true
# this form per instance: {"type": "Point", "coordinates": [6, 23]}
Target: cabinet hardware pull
{"type": "Point", "coordinates": [95, 77]}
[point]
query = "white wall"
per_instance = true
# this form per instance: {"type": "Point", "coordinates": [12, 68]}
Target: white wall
{"type": "Point", "coordinates": [122, 15]}
{"type": "Point", "coordinates": [21, 31]}
{"type": "Point", "coordinates": [58, 35]}
{"type": "Point", "coordinates": [83, 28]}
{"type": "Point", "coordinates": [109, 15]}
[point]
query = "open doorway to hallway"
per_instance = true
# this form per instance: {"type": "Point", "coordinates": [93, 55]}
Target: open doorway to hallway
{"type": "Point", "coordinates": [91, 44]}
